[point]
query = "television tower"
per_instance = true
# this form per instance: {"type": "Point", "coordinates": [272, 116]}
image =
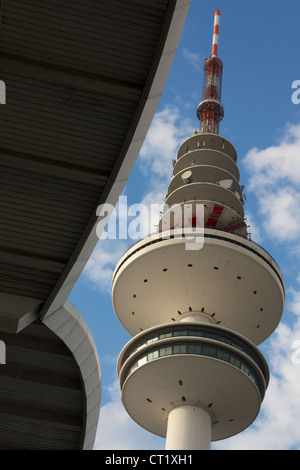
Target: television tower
{"type": "Point", "coordinates": [198, 297]}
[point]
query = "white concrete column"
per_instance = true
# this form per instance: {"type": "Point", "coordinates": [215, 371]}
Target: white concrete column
{"type": "Point", "coordinates": [197, 317]}
{"type": "Point", "coordinates": [189, 428]}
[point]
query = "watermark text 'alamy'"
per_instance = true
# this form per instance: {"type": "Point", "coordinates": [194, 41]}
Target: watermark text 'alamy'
{"type": "Point", "coordinates": [138, 221]}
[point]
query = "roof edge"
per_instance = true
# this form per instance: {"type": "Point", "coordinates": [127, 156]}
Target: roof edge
{"type": "Point", "coordinates": [68, 324]}
{"type": "Point", "coordinates": [170, 37]}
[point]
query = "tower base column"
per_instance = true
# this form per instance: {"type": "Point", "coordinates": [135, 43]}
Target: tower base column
{"type": "Point", "coordinates": [189, 428]}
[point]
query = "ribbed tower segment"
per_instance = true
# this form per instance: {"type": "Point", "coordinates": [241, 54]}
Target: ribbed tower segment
{"type": "Point", "coordinates": [197, 297]}
{"type": "Point", "coordinates": [206, 175]}
{"type": "Point", "coordinates": [210, 111]}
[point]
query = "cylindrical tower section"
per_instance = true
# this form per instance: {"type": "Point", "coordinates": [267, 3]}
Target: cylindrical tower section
{"type": "Point", "coordinates": [189, 428]}
{"type": "Point", "coordinates": [210, 111]}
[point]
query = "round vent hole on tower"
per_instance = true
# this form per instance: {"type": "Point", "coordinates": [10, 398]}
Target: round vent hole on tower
{"type": "Point", "coordinates": [261, 309]}
{"type": "Point", "coordinates": [216, 268]}
{"type": "Point", "coordinates": [258, 326]}
{"type": "Point", "coordinates": [210, 405]}
{"type": "Point", "coordinates": [180, 382]}
{"type": "Point", "coordinates": [145, 280]}
{"type": "Point", "coordinates": [179, 312]}
{"type": "Point", "coordinates": [183, 398]}
{"type": "Point", "coordinates": [238, 277]}
{"type": "Point", "coordinates": [190, 265]}
{"type": "Point", "coordinates": [254, 292]}
{"type": "Point", "coordinates": [230, 420]}
{"type": "Point", "coordinates": [132, 313]}
{"type": "Point", "coordinates": [149, 400]}
{"type": "Point", "coordinates": [190, 309]}
{"type": "Point", "coordinates": [165, 269]}
{"type": "Point", "coordinates": [134, 296]}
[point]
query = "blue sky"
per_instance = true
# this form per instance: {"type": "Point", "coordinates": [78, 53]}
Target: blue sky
{"type": "Point", "coordinates": [259, 47]}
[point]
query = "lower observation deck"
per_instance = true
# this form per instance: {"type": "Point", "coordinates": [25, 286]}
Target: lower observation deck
{"type": "Point", "coordinates": [205, 366]}
{"type": "Point", "coordinates": [167, 276]}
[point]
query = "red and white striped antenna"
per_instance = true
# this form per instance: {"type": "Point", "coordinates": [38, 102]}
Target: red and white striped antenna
{"type": "Point", "coordinates": [214, 51]}
{"type": "Point", "coordinates": [210, 111]}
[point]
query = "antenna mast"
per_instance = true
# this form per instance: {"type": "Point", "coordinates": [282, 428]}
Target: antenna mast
{"type": "Point", "coordinates": [210, 111]}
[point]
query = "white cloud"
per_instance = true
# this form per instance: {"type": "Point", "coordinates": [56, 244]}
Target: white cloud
{"type": "Point", "coordinates": [117, 431]}
{"type": "Point", "coordinates": [294, 304]}
{"type": "Point", "coordinates": [101, 265]}
{"type": "Point", "coordinates": [274, 178]}
{"type": "Point", "coordinates": [281, 210]}
{"type": "Point", "coordinates": [167, 131]}
{"type": "Point", "coordinates": [193, 59]}
{"type": "Point", "coordinates": [277, 163]}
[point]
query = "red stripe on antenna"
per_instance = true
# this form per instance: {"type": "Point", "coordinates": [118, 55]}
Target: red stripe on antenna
{"type": "Point", "coordinates": [215, 49]}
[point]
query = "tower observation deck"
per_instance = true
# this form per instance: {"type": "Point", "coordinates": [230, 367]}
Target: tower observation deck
{"type": "Point", "coordinates": [198, 297]}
